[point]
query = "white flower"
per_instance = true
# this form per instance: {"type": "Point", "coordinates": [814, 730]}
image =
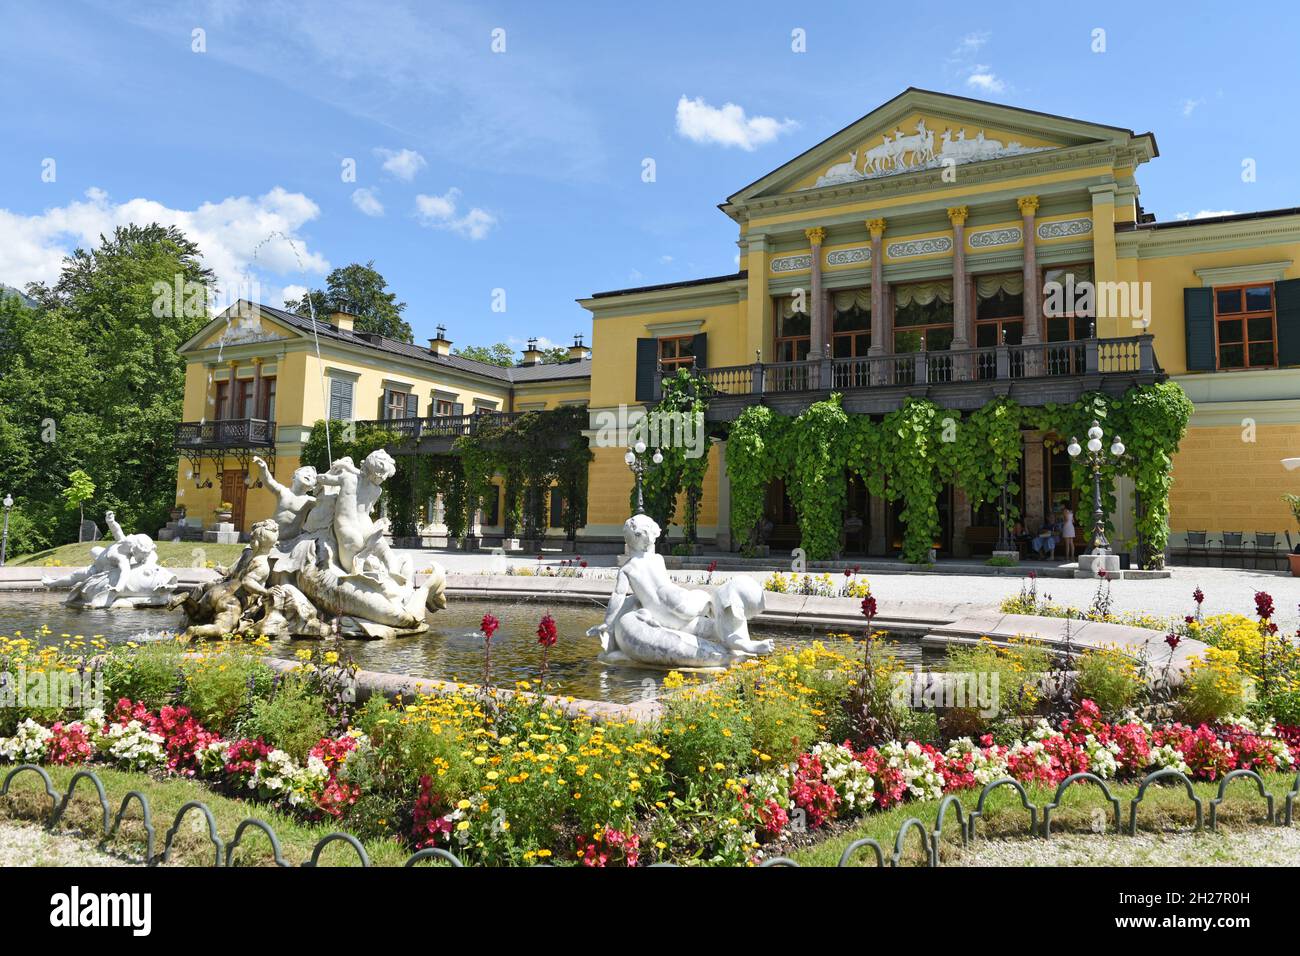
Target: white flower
{"type": "Point", "coordinates": [1168, 756]}
{"type": "Point", "coordinates": [28, 745]}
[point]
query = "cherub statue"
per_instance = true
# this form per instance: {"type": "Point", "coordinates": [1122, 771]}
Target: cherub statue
{"type": "Point", "coordinates": [654, 621]}
{"type": "Point", "coordinates": [292, 503]}
{"type": "Point", "coordinates": [357, 535]}
{"type": "Point", "coordinates": [220, 608]}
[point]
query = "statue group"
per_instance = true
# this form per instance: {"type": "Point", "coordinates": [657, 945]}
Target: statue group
{"type": "Point", "coordinates": [320, 567]}
{"type": "Point", "coordinates": [125, 573]}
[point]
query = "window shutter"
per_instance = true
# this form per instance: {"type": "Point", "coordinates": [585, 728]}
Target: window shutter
{"type": "Point", "coordinates": [458, 408]}
{"type": "Point", "coordinates": [1198, 321]}
{"type": "Point", "coordinates": [412, 405]}
{"type": "Point", "coordinates": [340, 399]}
{"type": "Point", "coordinates": [383, 404]}
{"type": "Point", "coordinates": [700, 346]}
{"type": "Point", "coordinates": [647, 361]}
{"type": "Point", "coordinates": [1287, 300]}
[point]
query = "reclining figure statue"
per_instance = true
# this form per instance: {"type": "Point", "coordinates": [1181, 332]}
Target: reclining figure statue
{"type": "Point", "coordinates": [125, 573]}
{"type": "Point", "coordinates": [655, 622]}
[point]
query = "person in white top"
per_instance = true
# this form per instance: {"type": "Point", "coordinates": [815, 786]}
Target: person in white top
{"type": "Point", "coordinates": [1068, 532]}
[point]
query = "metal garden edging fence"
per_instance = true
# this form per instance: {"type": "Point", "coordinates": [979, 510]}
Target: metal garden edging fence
{"type": "Point", "coordinates": [930, 836]}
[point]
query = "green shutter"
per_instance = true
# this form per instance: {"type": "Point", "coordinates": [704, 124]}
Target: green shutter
{"type": "Point", "coordinates": [1198, 322]}
{"type": "Point", "coordinates": [647, 363]}
{"type": "Point", "coordinates": [1287, 300]}
{"type": "Point", "coordinates": [700, 349]}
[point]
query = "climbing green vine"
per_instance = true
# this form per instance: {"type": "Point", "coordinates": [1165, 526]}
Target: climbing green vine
{"type": "Point", "coordinates": [915, 450]}
{"type": "Point", "coordinates": [680, 413]}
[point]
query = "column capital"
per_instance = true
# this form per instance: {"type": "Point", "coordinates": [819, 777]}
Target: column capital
{"type": "Point", "coordinates": [876, 227]}
{"type": "Point", "coordinates": [816, 235]}
{"type": "Point", "coordinates": [957, 215]}
{"type": "Point", "coordinates": [1028, 205]}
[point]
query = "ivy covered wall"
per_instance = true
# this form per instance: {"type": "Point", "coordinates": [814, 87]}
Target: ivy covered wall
{"type": "Point", "coordinates": [915, 450]}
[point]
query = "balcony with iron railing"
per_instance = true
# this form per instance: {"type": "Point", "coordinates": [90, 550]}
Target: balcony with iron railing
{"type": "Point", "coordinates": [228, 433]}
{"type": "Point", "coordinates": [436, 433]}
{"type": "Point", "coordinates": [956, 378]}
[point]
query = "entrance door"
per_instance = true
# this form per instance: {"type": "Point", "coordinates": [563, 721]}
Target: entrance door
{"type": "Point", "coordinates": [233, 490]}
{"type": "Point", "coordinates": [942, 544]}
{"type": "Point", "coordinates": [857, 515]}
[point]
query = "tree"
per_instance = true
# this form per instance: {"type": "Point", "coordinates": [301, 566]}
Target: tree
{"type": "Point", "coordinates": [498, 354]}
{"type": "Point", "coordinates": [92, 379]}
{"type": "Point", "coordinates": [81, 488]}
{"type": "Point", "coordinates": [360, 291]}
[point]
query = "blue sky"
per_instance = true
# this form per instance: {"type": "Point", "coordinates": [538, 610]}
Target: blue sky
{"type": "Point", "coordinates": [521, 170]}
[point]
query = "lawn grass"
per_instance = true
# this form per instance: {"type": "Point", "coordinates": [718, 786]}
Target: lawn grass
{"type": "Point", "coordinates": [27, 801]}
{"type": "Point", "coordinates": [171, 554]}
{"type": "Point", "coordinates": [1164, 808]}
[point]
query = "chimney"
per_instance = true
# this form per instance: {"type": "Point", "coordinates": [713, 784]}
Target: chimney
{"type": "Point", "coordinates": [440, 345]}
{"type": "Point", "coordinates": [577, 352]}
{"type": "Point", "coordinates": [342, 321]}
{"type": "Point", "coordinates": [532, 354]}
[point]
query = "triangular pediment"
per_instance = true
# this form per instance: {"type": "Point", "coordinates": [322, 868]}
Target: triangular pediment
{"type": "Point", "coordinates": [242, 323]}
{"type": "Point", "coordinates": [920, 131]}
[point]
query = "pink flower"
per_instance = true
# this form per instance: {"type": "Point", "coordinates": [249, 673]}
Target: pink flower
{"type": "Point", "coordinates": [489, 625]}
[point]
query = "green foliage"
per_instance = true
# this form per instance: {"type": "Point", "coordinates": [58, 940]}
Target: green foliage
{"type": "Point", "coordinates": [1110, 679]}
{"type": "Point", "coordinates": [751, 464]}
{"type": "Point", "coordinates": [91, 380]}
{"type": "Point", "coordinates": [815, 475]}
{"type": "Point", "coordinates": [150, 674]}
{"type": "Point", "coordinates": [293, 718]}
{"type": "Point", "coordinates": [219, 689]}
{"type": "Point", "coordinates": [499, 354]}
{"type": "Point", "coordinates": [684, 398]}
{"type": "Point", "coordinates": [80, 489]}
{"type": "Point", "coordinates": [360, 291]}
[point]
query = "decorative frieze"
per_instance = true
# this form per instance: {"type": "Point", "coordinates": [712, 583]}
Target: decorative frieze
{"type": "Point", "coordinates": [990, 238]}
{"type": "Point", "coordinates": [1065, 228]}
{"type": "Point", "coordinates": [911, 248]}
{"type": "Point", "coordinates": [848, 257]}
{"type": "Point", "coordinates": [791, 263]}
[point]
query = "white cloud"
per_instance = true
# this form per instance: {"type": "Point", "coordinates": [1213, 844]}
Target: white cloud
{"type": "Point", "coordinates": [970, 44]}
{"type": "Point", "coordinates": [1207, 214]}
{"type": "Point", "coordinates": [441, 212]}
{"type": "Point", "coordinates": [665, 260]}
{"type": "Point", "coordinates": [292, 293]}
{"type": "Point", "coordinates": [367, 201]}
{"type": "Point", "coordinates": [402, 163]}
{"type": "Point", "coordinates": [727, 125]}
{"type": "Point", "coordinates": [985, 80]}
{"type": "Point", "coordinates": [1189, 106]}
{"type": "Point", "coordinates": [239, 236]}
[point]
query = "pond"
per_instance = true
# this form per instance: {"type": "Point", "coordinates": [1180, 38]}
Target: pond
{"type": "Point", "coordinates": [451, 650]}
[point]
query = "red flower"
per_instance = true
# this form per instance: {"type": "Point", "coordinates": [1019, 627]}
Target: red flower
{"type": "Point", "coordinates": [848, 573]}
{"type": "Point", "coordinates": [489, 625]}
{"type": "Point", "coordinates": [1198, 596]}
{"type": "Point", "coordinates": [1263, 605]}
{"type": "Point", "coordinates": [1101, 572]}
{"type": "Point", "coordinates": [713, 566]}
{"type": "Point", "coordinates": [1189, 619]}
{"type": "Point", "coordinates": [869, 607]}
{"type": "Point", "coordinates": [547, 634]}
{"type": "Point", "coordinates": [1173, 640]}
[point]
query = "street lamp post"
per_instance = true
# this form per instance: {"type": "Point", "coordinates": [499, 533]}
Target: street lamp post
{"type": "Point", "coordinates": [638, 466]}
{"type": "Point", "coordinates": [4, 539]}
{"type": "Point", "coordinates": [1096, 458]}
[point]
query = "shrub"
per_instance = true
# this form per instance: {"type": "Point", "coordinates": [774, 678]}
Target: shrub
{"type": "Point", "coordinates": [1213, 688]}
{"type": "Point", "coordinates": [149, 674]}
{"type": "Point", "coordinates": [1109, 678]}
{"type": "Point", "coordinates": [1017, 668]}
{"type": "Point", "coordinates": [220, 686]}
{"type": "Point", "coordinates": [705, 726]}
{"type": "Point", "coordinates": [292, 719]}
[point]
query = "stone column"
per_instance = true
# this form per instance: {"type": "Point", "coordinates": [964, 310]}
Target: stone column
{"type": "Point", "coordinates": [722, 534]}
{"type": "Point", "coordinates": [881, 328]}
{"type": "Point", "coordinates": [1035, 482]}
{"type": "Point", "coordinates": [820, 336]}
{"type": "Point", "coordinates": [963, 334]}
{"type": "Point", "coordinates": [1033, 333]}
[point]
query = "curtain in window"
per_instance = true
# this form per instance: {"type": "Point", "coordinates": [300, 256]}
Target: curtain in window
{"type": "Point", "coordinates": [1012, 283]}
{"type": "Point", "coordinates": [785, 306]}
{"type": "Point", "coordinates": [849, 298]}
{"type": "Point", "coordinates": [923, 293]}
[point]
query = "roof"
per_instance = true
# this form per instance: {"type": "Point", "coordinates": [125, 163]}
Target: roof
{"type": "Point", "coordinates": [378, 343]}
{"type": "Point", "coordinates": [732, 277]}
{"type": "Point", "coordinates": [1206, 220]}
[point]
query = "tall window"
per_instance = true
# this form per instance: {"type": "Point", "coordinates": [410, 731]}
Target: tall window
{"type": "Point", "coordinates": [851, 323]}
{"type": "Point", "coordinates": [923, 317]}
{"type": "Point", "coordinates": [676, 351]}
{"type": "Point", "coordinates": [268, 398]}
{"type": "Point", "coordinates": [398, 404]}
{"type": "Point", "coordinates": [1068, 313]}
{"type": "Point", "coordinates": [793, 332]}
{"type": "Point", "coordinates": [1245, 326]}
{"type": "Point", "coordinates": [999, 309]}
{"type": "Point", "coordinates": [223, 402]}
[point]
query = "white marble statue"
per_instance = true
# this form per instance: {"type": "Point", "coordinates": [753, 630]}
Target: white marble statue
{"type": "Point", "coordinates": [329, 565]}
{"type": "Point", "coordinates": [125, 573]}
{"type": "Point", "coordinates": [655, 622]}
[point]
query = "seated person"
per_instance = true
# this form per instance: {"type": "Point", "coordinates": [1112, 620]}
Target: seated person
{"type": "Point", "coordinates": [1020, 534]}
{"type": "Point", "coordinates": [1045, 542]}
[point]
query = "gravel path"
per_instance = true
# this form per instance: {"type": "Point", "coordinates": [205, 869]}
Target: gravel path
{"type": "Point", "coordinates": [31, 845]}
{"type": "Point", "coordinates": [1256, 846]}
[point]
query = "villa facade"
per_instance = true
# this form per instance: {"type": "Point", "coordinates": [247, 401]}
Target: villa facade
{"type": "Point", "coordinates": [938, 247]}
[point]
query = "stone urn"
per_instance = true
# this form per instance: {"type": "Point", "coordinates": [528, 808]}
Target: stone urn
{"type": "Point", "coordinates": [224, 514]}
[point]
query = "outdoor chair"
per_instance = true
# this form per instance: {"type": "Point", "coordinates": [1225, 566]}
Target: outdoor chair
{"type": "Point", "coordinates": [1266, 547]}
{"type": "Point", "coordinates": [1197, 544]}
{"type": "Point", "coordinates": [1232, 546]}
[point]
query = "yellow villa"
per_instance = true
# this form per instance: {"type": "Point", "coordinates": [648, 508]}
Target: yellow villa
{"type": "Point", "coordinates": [939, 248]}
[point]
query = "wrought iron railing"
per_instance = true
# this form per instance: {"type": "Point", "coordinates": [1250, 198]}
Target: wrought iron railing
{"type": "Point", "coordinates": [226, 433]}
{"type": "Point", "coordinates": [443, 426]}
{"type": "Point", "coordinates": [1127, 356]}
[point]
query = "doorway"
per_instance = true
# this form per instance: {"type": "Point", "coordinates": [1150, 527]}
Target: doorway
{"type": "Point", "coordinates": [943, 543]}
{"type": "Point", "coordinates": [233, 490]}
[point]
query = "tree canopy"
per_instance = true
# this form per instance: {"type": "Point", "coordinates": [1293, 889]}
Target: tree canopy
{"type": "Point", "coordinates": [361, 291]}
